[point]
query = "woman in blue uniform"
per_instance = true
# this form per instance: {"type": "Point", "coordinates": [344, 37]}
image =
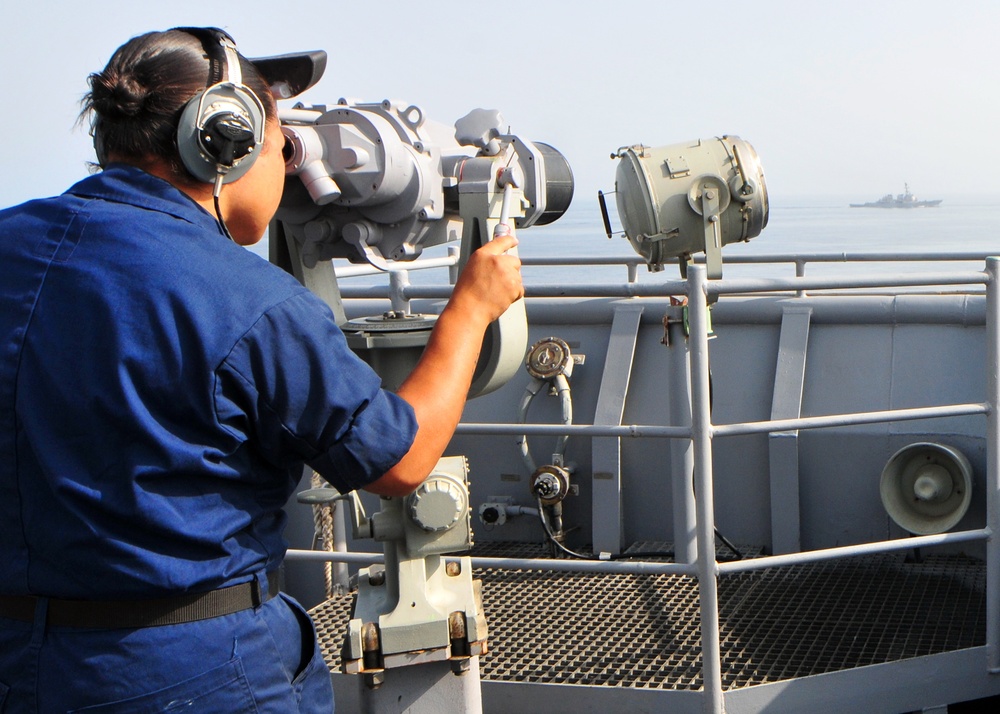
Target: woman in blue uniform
{"type": "Point", "coordinates": [161, 389]}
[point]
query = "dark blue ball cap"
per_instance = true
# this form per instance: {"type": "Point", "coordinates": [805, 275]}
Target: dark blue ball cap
{"type": "Point", "coordinates": [291, 74]}
{"type": "Point", "coordinates": [287, 75]}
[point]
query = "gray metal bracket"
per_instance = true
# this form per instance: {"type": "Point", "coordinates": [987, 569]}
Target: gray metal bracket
{"type": "Point", "coordinates": [319, 279]}
{"type": "Point", "coordinates": [783, 446]}
{"type": "Point", "coordinates": [606, 451]}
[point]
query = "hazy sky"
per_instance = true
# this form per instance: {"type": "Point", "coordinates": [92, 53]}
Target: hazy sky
{"type": "Point", "coordinates": [848, 98]}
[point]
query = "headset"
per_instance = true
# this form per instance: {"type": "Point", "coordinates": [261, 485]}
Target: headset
{"type": "Point", "coordinates": [221, 128]}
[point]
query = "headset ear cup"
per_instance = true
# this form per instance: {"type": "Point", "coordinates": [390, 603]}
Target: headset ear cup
{"type": "Point", "coordinates": [188, 145]}
{"type": "Point", "coordinates": [227, 138]}
{"type": "Point", "coordinates": [221, 130]}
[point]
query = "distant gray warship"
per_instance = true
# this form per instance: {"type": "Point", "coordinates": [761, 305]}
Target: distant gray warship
{"type": "Point", "coordinates": [902, 200]}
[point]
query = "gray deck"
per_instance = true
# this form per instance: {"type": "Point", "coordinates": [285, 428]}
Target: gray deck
{"type": "Point", "coordinates": [643, 631]}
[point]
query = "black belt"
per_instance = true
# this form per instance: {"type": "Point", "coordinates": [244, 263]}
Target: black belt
{"type": "Point", "coordinates": [131, 614]}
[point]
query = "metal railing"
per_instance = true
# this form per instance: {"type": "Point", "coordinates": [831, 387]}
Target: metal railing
{"type": "Point", "coordinates": [702, 432]}
{"type": "Point", "coordinates": [699, 294]}
{"type": "Point", "coordinates": [632, 263]}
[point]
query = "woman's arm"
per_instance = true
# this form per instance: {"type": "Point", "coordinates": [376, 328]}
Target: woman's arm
{"type": "Point", "coordinates": [438, 385]}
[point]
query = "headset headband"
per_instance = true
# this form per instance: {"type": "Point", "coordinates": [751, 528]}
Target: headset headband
{"type": "Point", "coordinates": [223, 57]}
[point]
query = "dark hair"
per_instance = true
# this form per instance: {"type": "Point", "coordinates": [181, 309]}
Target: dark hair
{"type": "Point", "coordinates": [135, 102]}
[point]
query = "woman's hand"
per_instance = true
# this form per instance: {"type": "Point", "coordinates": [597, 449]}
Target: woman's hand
{"type": "Point", "coordinates": [490, 282]}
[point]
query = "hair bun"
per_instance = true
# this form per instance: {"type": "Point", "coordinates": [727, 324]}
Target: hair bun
{"type": "Point", "coordinates": [117, 96]}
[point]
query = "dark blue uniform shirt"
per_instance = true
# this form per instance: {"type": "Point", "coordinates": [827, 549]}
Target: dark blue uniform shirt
{"type": "Point", "coordinates": [160, 390]}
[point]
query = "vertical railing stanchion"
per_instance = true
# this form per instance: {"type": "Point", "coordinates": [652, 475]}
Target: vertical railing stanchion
{"type": "Point", "coordinates": [800, 272]}
{"type": "Point", "coordinates": [399, 281]}
{"type": "Point", "coordinates": [701, 432]}
{"type": "Point", "coordinates": [993, 465]}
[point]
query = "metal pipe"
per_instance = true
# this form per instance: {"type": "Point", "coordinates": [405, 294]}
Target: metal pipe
{"type": "Point", "coordinates": [530, 392]}
{"type": "Point", "coordinates": [753, 285]}
{"type": "Point", "coordinates": [341, 575]}
{"type": "Point", "coordinates": [846, 551]}
{"type": "Point", "coordinates": [454, 255]}
{"type": "Point", "coordinates": [566, 405]}
{"type": "Point", "coordinates": [585, 566]}
{"type": "Point", "coordinates": [715, 287]}
{"type": "Point", "coordinates": [993, 466]}
{"type": "Point", "coordinates": [616, 567]}
{"type": "Point", "coordinates": [701, 432]}
{"type": "Point", "coordinates": [398, 283]}
{"type": "Point", "coordinates": [353, 557]}
{"type": "Point", "coordinates": [800, 272]}
{"type": "Point", "coordinates": [664, 289]}
{"type": "Point", "coordinates": [866, 257]}
{"type": "Point", "coordinates": [353, 271]}
{"type": "Point", "coordinates": [628, 430]}
{"type": "Point", "coordinates": [681, 451]}
{"type": "Point", "coordinates": [516, 510]}
{"type": "Point", "coordinates": [768, 258]}
{"type": "Point", "coordinates": [723, 430]}
{"type": "Point", "coordinates": [830, 420]}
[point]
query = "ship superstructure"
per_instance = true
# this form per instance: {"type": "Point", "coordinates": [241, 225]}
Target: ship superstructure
{"type": "Point", "coordinates": [900, 200]}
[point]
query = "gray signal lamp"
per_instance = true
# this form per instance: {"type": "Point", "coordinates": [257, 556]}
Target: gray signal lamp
{"type": "Point", "coordinates": [693, 197]}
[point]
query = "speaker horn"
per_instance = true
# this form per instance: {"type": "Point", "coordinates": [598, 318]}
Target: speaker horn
{"type": "Point", "coordinates": [926, 487]}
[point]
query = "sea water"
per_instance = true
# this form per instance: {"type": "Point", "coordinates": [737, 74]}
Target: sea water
{"type": "Point", "coordinates": [797, 226]}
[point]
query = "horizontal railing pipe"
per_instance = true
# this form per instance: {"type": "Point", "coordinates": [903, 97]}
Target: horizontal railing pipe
{"type": "Point", "coordinates": [835, 420]}
{"type": "Point", "coordinates": [732, 258]}
{"type": "Point", "coordinates": [651, 431]}
{"type": "Point", "coordinates": [755, 285]}
{"type": "Point", "coordinates": [625, 430]}
{"type": "Point", "coordinates": [847, 551]}
{"type": "Point", "coordinates": [655, 568]}
{"type": "Point", "coordinates": [678, 287]}
{"type": "Point", "coordinates": [621, 567]}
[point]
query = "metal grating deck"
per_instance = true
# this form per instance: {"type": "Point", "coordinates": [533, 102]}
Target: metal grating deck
{"type": "Point", "coordinates": [775, 624]}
